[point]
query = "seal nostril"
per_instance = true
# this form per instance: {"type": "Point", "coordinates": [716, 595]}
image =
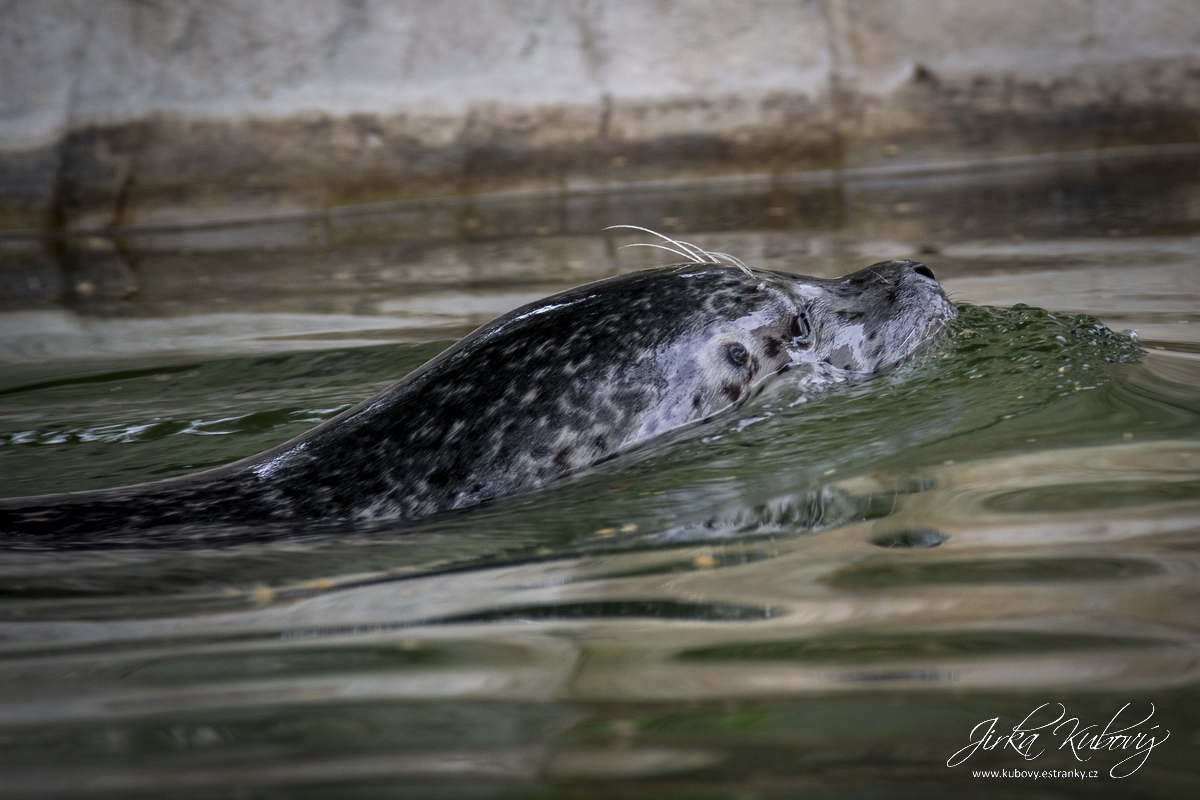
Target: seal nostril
{"type": "Point", "coordinates": [921, 269]}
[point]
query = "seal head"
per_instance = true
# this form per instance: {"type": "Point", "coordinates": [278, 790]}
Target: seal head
{"type": "Point", "coordinates": [875, 318]}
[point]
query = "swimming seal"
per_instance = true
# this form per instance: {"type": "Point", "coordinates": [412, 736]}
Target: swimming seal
{"type": "Point", "coordinates": [538, 394]}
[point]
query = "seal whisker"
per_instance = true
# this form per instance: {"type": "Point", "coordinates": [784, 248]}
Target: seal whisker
{"type": "Point", "coordinates": [693, 252]}
{"type": "Point", "coordinates": [688, 256]}
{"type": "Point", "coordinates": [697, 252]}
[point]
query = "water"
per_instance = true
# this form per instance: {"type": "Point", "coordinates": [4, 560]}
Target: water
{"type": "Point", "coordinates": [822, 595]}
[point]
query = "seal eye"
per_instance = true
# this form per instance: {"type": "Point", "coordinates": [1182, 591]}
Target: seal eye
{"type": "Point", "coordinates": [737, 354]}
{"type": "Point", "coordinates": [801, 330]}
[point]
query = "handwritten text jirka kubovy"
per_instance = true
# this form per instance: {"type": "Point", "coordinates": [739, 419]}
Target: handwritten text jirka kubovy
{"type": "Point", "coordinates": [1134, 740]}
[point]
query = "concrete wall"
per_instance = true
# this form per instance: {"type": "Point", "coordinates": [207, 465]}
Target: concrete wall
{"type": "Point", "coordinates": [127, 112]}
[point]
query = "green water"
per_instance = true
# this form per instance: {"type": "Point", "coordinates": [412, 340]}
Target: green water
{"type": "Point", "coordinates": [820, 595]}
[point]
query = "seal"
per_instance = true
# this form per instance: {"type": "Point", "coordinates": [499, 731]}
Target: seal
{"type": "Point", "coordinates": [541, 393]}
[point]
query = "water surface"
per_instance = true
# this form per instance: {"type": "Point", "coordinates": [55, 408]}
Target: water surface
{"type": "Point", "coordinates": [822, 594]}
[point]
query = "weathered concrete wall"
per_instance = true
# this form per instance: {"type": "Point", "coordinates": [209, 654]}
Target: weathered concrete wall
{"type": "Point", "coordinates": [119, 112]}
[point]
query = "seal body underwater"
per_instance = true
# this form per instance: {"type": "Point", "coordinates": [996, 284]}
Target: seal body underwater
{"type": "Point", "coordinates": [538, 394]}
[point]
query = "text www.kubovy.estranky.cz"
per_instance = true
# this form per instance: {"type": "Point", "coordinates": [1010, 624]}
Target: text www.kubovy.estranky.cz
{"type": "Point", "coordinates": [1035, 773]}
